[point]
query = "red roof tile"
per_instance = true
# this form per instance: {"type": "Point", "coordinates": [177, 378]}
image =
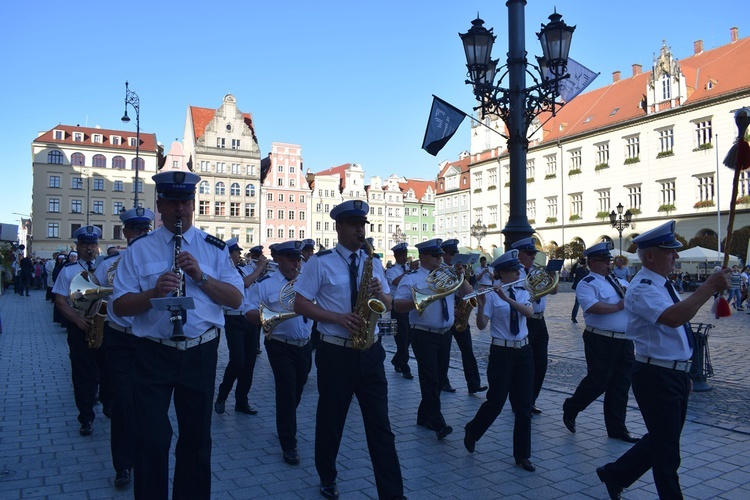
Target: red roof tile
{"type": "Point", "coordinates": [419, 186]}
{"type": "Point", "coordinates": [202, 116]}
{"type": "Point", "coordinates": [148, 141]}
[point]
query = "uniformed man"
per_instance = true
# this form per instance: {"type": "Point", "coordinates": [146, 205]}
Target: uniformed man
{"type": "Point", "coordinates": [119, 345]}
{"type": "Point", "coordinates": [86, 364]}
{"type": "Point", "coordinates": [308, 249]}
{"type": "Point", "coordinates": [287, 343]}
{"type": "Point", "coordinates": [510, 369]}
{"type": "Point", "coordinates": [333, 279]}
{"type": "Point", "coordinates": [429, 333]}
{"type": "Point", "coordinates": [165, 368]}
{"type": "Point", "coordinates": [243, 341]}
{"type": "Point", "coordinates": [609, 354]}
{"type": "Point", "coordinates": [538, 334]}
{"type": "Point", "coordinates": [657, 325]}
{"type": "Point", "coordinates": [463, 339]}
{"type": "Point", "coordinates": [394, 274]}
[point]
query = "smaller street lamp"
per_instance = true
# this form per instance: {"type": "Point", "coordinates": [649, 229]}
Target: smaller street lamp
{"type": "Point", "coordinates": [132, 99]}
{"type": "Point", "coordinates": [617, 222]}
{"type": "Point", "coordinates": [399, 236]}
{"type": "Point", "coordinates": [479, 231]}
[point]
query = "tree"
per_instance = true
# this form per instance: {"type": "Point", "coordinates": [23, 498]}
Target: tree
{"type": "Point", "coordinates": [573, 250]}
{"type": "Point", "coordinates": [740, 239]}
{"type": "Point", "coordinates": [706, 241]}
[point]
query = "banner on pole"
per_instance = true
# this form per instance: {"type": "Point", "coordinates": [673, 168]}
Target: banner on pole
{"type": "Point", "coordinates": [443, 122]}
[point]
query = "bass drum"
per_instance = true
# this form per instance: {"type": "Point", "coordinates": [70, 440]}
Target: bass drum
{"type": "Point", "coordinates": [387, 326]}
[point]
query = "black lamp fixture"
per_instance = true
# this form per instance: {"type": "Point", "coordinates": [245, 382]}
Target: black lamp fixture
{"type": "Point", "coordinates": [479, 231]}
{"type": "Point", "coordinates": [132, 99]}
{"type": "Point", "coordinates": [517, 105]}
{"type": "Point", "coordinates": [617, 221]}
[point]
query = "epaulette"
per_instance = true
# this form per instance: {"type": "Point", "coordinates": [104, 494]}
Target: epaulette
{"type": "Point", "coordinates": [588, 279]}
{"type": "Point", "coordinates": [216, 241]}
{"type": "Point", "coordinates": [324, 252]}
{"type": "Point", "coordinates": [110, 256]}
{"type": "Point", "coordinates": [646, 282]}
{"type": "Point", "coordinates": [138, 238]}
{"type": "Point", "coordinates": [412, 271]}
{"type": "Point", "coordinates": [263, 278]}
{"type": "Point", "coordinates": [71, 264]}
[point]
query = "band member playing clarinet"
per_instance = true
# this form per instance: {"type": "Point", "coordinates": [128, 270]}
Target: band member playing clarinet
{"type": "Point", "coordinates": [164, 368]}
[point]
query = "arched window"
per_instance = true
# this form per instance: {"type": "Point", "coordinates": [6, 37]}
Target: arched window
{"type": "Point", "coordinates": [220, 189]}
{"type": "Point", "coordinates": [204, 188]}
{"type": "Point", "coordinates": [78, 159]}
{"type": "Point", "coordinates": [118, 162]}
{"type": "Point", "coordinates": [141, 164]}
{"type": "Point", "coordinates": [55, 157]}
{"type": "Point", "coordinates": [99, 161]}
{"type": "Point", "coordinates": [234, 189]}
{"type": "Point", "coordinates": [250, 190]}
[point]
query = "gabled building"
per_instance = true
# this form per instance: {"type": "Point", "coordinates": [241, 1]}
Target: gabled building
{"type": "Point", "coordinates": [329, 188]}
{"type": "Point", "coordinates": [222, 148]}
{"type": "Point", "coordinates": [86, 176]}
{"type": "Point", "coordinates": [452, 200]}
{"type": "Point", "coordinates": [419, 212]}
{"type": "Point", "coordinates": [285, 197]}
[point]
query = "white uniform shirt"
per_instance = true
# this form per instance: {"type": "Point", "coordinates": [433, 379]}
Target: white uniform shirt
{"type": "Point", "coordinates": [49, 266]}
{"type": "Point", "coordinates": [595, 288]}
{"type": "Point", "coordinates": [539, 304]}
{"type": "Point", "coordinates": [432, 317]}
{"type": "Point", "coordinates": [646, 299]}
{"type": "Point", "coordinates": [241, 271]}
{"type": "Point", "coordinates": [66, 275]}
{"type": "Point", "coordinates": [393, 273]}
{"type": "Point", "coordinates": [151, 256]}
{"type": "Point", "coordinates": [499, 313]}
{"type": "Point", "coordinates": [101, 274]}
{"type": "Point", "coordinates": [266, 290]}
{"type": "Point", "coordinates": [326, 280]}
{"type": "Point", "coordinates": [487, 274]}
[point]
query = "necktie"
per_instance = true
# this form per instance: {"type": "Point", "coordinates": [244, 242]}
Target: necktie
{"type": "Point", "coordinates": [353, 272]}
{"type": "Point", "coordinates": [90, 266]}
{"type": "Point", "coordinates": [445, 309]}
{"type": "Point", "coordinates": [617, 288]}
{"type": "Point", "coordinates": [514, 328]}
{"type": "Point", "coordinates": [404, 266]}
{"type": "Point", "coordinates": [686, 326]}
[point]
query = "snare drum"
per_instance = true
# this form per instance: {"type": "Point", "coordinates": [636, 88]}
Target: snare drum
{"type": "Point", "coordinates": [387, 326]}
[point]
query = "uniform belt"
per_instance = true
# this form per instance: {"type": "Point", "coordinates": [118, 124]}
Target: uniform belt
{"type": "Point", "coordinates": [431, 330]}
{"type": "Point", "coordinates": [184, 345]}
{"type": "Point", "coordinates": [229, 312]}
{"type": "Point", "coordinates": [514, 344]}
{"type": "Point", "coordinates": [332, 339]}
{"type": "Point", "coordinates": [606, 333]}
{"type": "Point", "coordinates": [680, 366]}
{"type": "Point", "coordinates": [297, 342]}
{"type": "Point", "coordinates": [537, 315]}
{"type": "Point", "coordinates": [115, 326]}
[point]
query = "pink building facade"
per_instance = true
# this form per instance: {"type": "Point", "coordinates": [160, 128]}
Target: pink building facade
{"type": "Point", "coordinates": [284, 195]}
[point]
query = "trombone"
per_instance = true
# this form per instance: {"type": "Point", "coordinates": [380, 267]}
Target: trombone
{"type": "Point", "coordinates": [504, 287]}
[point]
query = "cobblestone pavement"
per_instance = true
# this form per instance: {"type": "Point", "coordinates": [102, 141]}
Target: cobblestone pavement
{"type": "Point", "coordinates": [42, 454]}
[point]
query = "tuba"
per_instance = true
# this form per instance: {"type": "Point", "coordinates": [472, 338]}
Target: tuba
{"type": "Point", "coordinates": [87, 299]}
{"type": "Point", "coordinates": [368, 308]}
{"type": "Point", "coordinates": [269, 319]}
{"type": "Point", "coordinates": [441, 282]}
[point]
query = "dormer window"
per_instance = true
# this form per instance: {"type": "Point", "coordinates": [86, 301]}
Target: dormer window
{"type": "Point", "coordinates": [97, 138]}
{"type": "Point", "coordinates": [132, 141]}
{"type": "Point", "coordinates": [115, 140]}
{"type": "Point", "coordinates": [666, 87]}
{"type": "Point", "coordinates": [78, 136]}
{"type": "Point", "coordinates": [59, 135]}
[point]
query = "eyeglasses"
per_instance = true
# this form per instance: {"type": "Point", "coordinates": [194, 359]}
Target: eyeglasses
{"type": "Point", "coordinates": [532, 253]}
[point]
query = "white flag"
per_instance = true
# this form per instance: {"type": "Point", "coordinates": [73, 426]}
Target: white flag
{"type": "Point", "coordinates": [580, 78]}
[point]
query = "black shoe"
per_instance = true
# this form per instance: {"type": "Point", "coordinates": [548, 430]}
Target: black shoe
{"type": "Point", "coordinates": [246, 408]}
{"type": "Point", "coordinates": [291, 456]}
{"type": "Point", "coordinates": [87, 428]}
{"type": "Point", "coordinates": [574, 320]}
{"type": "Point", "coordinates": [470, 442]}
{"type": "Point", "coordinates": [444, 432]}
{"type": "Point", "coordinates": [329, 490]}
{"type": "Point", "coordinates": [426, 425]}
{"type": "Point", "coordinates": [625, 436]}
{"type": "Point", "coordinates": [122, 479]}
{"type": "Point", "coordinates": [570, 422]}
{"type": "Point", "coordinates": [219, 406]}
{"type": "Point", "coordinates": [535, 410]}
{"type": "Point", "coordinates": [397, 368]}
{"type": "Point", "coordinates": [526, 464]}
{"type": "Point", "coordinates": [408, 375]}
{"type": "Point", "coordinates": [614, 490]}
{"type": "Point", "coordinates": [475, 390]}
{"type": "Point", "coordinates": [448, 388]}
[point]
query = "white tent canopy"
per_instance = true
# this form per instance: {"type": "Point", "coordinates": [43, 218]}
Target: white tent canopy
{"type": "Point", "coordinates": [703, 255]}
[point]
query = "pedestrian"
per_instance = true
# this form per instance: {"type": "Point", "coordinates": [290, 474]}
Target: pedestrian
{"type": "Point", "coordinates": [27, 275]}
{"type": "Point", "coordinates": [579, 272]}
{"type": "Point", "coordinates": [394, 275]}
{"type": "Point", "coordinates": [735, 291]}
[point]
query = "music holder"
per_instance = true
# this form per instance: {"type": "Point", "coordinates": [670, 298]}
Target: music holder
{"type": "Point", "coordinates": [176, 306]}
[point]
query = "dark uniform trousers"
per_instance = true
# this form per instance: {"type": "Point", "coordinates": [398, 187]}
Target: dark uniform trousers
{"type": "Point", "coordinates": [401, 357]}
{"type": "Point", "coordinates": [243, 341]}
{"type": "Point", "coordinates": [662, 395]}
{"type": "Point", "coordinates": [509, 372]}
{"type": "Point", "coordinates": [432, 351]}
{"type": "Point", "coordinates": [342, 373]}
{"type": "Point", "coordinates": [290, 364]}
{"type": "Point", "coordinates": [119, 353]}
{"type": "Point", "coordinates": [159, 372]}
{"type": "Point", "coordinates": [609, 363]}
{"type": "Point", "coordinates": [89, 372]}
{"type": "Point", "coordinates": [468, 360]}
{"type": "Point", "coordinates": [539, 341]}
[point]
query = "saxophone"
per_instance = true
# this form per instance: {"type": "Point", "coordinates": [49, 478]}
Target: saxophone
{"type": "Point", "coordinates": [368, 308]}
{"type": "Point", "coordinates": [462, 310]}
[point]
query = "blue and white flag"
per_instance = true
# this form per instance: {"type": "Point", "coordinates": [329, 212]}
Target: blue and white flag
{"type": "Point", "coordinates": [443, 122]}
{"type": "Point", "coordinates": [580, 78]}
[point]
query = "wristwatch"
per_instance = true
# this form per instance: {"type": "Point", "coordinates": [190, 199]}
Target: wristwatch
{"type": "Point", "coordinates": [204, 280]}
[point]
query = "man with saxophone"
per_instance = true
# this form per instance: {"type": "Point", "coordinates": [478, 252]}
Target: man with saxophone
{"type": "Point", "coordinates": [87, 365]}
{"type": "Point", "coordinates": [430, 329]}
{"type": "Point", "coordinates": [119, 345]}
{"type": "Point", "coordinates": [287, 342]}
{"type": "Point", "coordinates": [395, 274]}
{"type": "Point", "coordinates": [538, 334]}
{"type": "Point", "coordinates": [609, 353]}
{"type": "Point", "coordinates": [175, 258]}
{"type": "Point", "coordinates": [343, 281]}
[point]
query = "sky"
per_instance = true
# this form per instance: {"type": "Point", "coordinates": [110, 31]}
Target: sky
{"type": "Point", "coordinates": [349, 81]}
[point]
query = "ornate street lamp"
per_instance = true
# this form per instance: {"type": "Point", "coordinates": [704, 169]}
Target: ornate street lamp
{"type": "Point", "coordinates": [399, 236]}
{"type": "Point", "coordinates": [479, 231]}
{"type": "Point", "coordinates": [132, 99]}
{"type": "Point", "coordinates": [517, 105]}
{"type": "Point", "coordinates": [617, 222]}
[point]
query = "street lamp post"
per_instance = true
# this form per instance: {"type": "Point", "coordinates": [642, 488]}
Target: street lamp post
{"type": "Point", "coordinates": [617, 222]}
{"type": "Point", "coordinates": [517, 105]}
{"type": "Point", "coordinates": [132, 99]}
{"type": "Point", "coordinates": [398, 236]}
{"type": "Point", "coordinates": [479, 231]}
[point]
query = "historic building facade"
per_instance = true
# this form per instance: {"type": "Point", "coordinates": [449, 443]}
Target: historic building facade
{"type": "Point", "coordinates": [285, 197]}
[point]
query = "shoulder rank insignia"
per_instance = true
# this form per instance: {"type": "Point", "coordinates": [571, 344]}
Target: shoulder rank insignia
{"type": "Point", "coordinates": [588, 279]}
{"type": "Point", "coordinates": [215, 241]}
{"type": "Point", "coordinates": [138, 238]}
{"type": "Point", "coordinates": [324, 252]}
{"type": "Point", "coordinates": [645, 281]}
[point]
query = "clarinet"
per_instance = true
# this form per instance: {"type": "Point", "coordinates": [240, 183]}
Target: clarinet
{"type": "Point", "coordinates": [618, 287]}
{"type": "Point", "coordinates": [179, 316]}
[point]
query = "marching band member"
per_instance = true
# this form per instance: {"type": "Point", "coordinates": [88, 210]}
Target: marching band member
{"type": "Point", "coordinates": [510, 369]}
{"type": "Point", "coordinates": [288, 344]}
{"type": "Point", "coordinates": [308, 249]}
{"type": "Point", "coordinates": [394, 274]}
{"type": "Point", "coordinates": [332, 278]}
